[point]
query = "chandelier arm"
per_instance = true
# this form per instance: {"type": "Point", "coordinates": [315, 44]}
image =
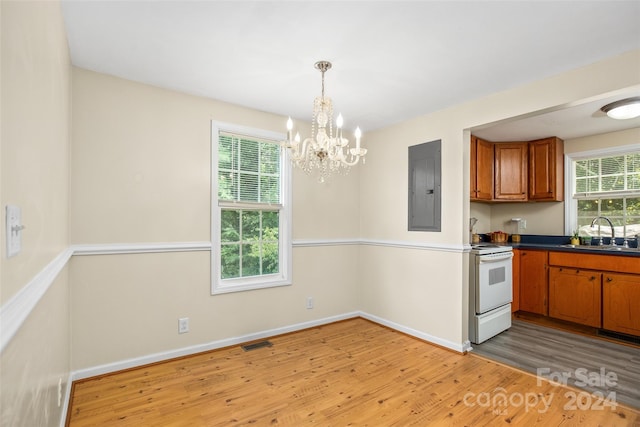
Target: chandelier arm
{"type": "Point", "coordinates": [352, 163]}
{"type": "Point", "coordinates": [300, 154]}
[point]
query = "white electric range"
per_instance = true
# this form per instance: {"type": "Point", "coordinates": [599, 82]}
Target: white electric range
{"type": "Point", "coordinates": [490, 290]}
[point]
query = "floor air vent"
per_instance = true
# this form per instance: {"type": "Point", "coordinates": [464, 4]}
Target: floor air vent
{"type": "Point", "coordinates": [256, 345]}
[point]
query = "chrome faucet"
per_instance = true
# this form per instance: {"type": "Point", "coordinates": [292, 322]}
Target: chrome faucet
{"type": "Point", "coordinates": [613, 236]}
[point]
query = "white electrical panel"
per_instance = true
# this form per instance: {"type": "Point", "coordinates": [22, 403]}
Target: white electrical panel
{"type": "Point", "coordinates": [14, 230]}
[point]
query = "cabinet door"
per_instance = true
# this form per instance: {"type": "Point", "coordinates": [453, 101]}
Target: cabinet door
{"type": "Point", "coordinates": [621, 303]}
{"type": "Point", "coordinates": [511, 171]}
{"type": "Point", "coordinates": [481, 169]}
{"type": "Point", "coordinates": [533, 281]}
{"type": "Point", "coordinates": [575, 295]}
{"type": "Point", "coordinates": [546, 170]}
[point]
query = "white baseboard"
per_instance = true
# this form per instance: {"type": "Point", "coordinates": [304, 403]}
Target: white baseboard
{"type": "Point", "coordinates": [185, 351]}
{"type": "Point", "coordinates": [460, 348]}
{"type": "Point", "coordinates": [66, 399]}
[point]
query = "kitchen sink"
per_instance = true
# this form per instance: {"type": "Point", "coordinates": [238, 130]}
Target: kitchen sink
{"type": "Point", "coordinates": [606, 248]}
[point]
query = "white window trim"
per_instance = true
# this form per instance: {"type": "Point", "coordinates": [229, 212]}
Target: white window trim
{"type": "Point", "coordinates": [283, 278]}
{"type": "Point", "coordinates": [571, 204]}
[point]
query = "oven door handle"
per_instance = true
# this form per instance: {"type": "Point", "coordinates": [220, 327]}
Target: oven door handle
{"type": "Point", "coordinates": [486, 259]}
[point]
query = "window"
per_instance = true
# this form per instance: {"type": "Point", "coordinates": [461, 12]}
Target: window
{"type": "Point", "coordinates": [251, 237]}
{"type": "Point", "coordinates": [605, 184]}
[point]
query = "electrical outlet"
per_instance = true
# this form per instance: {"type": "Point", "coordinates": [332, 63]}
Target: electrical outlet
{"type": "Point", "coordinates": [183, 325]}
{"type": "Point", "coordinates": [309, 303]}
{"type": "Point", "coordinates": [523, 224]}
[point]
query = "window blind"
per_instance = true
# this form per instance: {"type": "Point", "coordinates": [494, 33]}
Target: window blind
{"type": "Point", "coordinates": [607, 176]}
{"type": "Point", "coordinates": [248, 169]}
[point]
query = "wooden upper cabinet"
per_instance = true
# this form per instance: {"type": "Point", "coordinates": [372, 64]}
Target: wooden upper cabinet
{"type": "Point", "coordinates": [575, 295]}
{"type": "Point", "coordinates": [517, 171]}
{"type": "Point", "coordinates": [546, 170]}
{"type": "Point", "coordinates": [481, 169]}
{"type": "Point", "coordinates": [511, 171]}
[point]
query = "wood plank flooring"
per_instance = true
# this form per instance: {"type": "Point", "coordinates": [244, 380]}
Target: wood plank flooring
{"type": "Point", "coordinates": [350, 373]}
{"type": "Point", "coordinates": [529, 346]}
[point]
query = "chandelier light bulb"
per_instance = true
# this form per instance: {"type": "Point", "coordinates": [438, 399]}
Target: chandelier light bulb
{"type": "Point", "coordinates": [289, 127]}
{"type": "Point", "coordinates": [339, 121]}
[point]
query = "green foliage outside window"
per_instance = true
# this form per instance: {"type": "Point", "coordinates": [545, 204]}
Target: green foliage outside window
{"type": "Point", "coordinates": [618, 175]}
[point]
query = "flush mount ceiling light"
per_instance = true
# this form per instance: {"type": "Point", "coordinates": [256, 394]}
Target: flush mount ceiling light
{"type": "Point", "coordinates": [323, 152]}
{"type": "Point", "coordinates": [624, 109]}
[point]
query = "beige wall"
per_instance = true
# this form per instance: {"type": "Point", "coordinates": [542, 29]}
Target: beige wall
{"type": "Point", "coordinates": [35, 134]}
{"type": "Point", "coordinates": [35, 148]}
{"type": "Point", "coordinates": [141, 173]}
{"type": "Point", "coordinates": [599, 142]}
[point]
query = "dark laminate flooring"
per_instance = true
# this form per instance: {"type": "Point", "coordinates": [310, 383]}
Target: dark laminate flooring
{"type": "Point", "coordinates": [530, 347]}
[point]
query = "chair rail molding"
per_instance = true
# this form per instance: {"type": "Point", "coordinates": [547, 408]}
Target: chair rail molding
{"type": "Point", "coordinates": [15, 311]}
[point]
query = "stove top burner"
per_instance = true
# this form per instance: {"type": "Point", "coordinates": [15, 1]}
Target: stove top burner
{"type": "Point", "coordinates": [486, 247]}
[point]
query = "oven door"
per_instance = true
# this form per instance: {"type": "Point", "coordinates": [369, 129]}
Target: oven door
{"type": "Point", "coordinates": [493, 281]}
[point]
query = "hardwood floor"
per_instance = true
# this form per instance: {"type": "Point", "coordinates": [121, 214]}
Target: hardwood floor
{"type": "Point", "coordinates": [530, 346]}
{"type": "Point", "coordinates": [348, 373]}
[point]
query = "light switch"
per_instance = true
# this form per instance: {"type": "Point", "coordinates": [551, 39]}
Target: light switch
{"type": "Point", "coordinates": [14, 230]}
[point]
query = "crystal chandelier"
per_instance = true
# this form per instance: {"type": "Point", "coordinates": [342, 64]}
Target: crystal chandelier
{"type": "Point", "coordinates": [323, 152]}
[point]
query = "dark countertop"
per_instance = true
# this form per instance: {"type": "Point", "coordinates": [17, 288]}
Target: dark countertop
{"type": "Point", "coordinates": [561, 244]}
{"type": "Point", "coordinates": [582, 249]}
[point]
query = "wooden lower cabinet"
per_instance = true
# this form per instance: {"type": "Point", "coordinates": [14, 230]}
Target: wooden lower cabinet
{"type": "Point", "coordinates": [621, 303]}
{"type": "Point", "coordinates": [533, 281]}
{"type": "Point", "coordinates": [575, 295]}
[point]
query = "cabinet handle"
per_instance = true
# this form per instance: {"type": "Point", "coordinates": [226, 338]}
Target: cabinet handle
{"type": "Point", "coordinates": [593, 278]}
{"type": "Point", "coordinates": [609, 279]}
{"type": "Point", "coordinates": [560, 268]}
{"type": "Point", "coordinates": [577, 271]}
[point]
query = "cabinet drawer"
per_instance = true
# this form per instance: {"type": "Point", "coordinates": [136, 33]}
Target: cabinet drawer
{"type": "Point", "coordinates": [613, 263]}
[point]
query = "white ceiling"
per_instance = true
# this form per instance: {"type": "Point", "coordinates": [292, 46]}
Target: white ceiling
{"type": "Point", "coordinates": [392, 60]}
